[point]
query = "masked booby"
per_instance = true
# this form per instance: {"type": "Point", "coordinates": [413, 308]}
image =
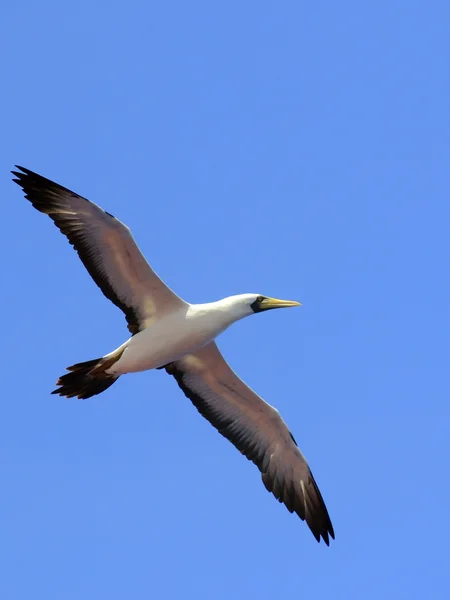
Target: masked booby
{"type": "Point", "coordinates": [169, 333]}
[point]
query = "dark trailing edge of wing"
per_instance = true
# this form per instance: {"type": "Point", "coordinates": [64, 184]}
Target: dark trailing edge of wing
{"type": "Point", "coordinates": [310, 507]}
{"type": "Point", "coordinates": [45, 196]}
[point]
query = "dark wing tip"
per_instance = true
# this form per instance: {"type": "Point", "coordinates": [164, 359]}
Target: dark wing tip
{"type": "Point", "coordinates": [18, 176]}
{"type": "Point", "coordinates": [326, 534]}
{"type": "Point", "coordinates": [301, 496]}
{"type": "Point", "coordinates": [22, 174]}
{"type": "Point", "coordinates": [320, 525]}
{"type": "Point", "coordinates": [319, 530]}
{"type": "Point", "coordinates": [317, 517]}
{"type": "Point", "coordinates": [21, 169]}
{"type": "Point", "coordinates": [32, 183]}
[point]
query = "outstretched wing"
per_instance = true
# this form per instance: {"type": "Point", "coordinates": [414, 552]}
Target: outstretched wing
{"type": "Point", "coordinates": [257, 430]}
{"type": "Point", "coordinates": [106, 248]}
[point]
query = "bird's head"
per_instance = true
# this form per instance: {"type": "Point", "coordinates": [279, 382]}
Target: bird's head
{"type": "Point", "coordinates": [244, 305]}
{"type": "Point", "coordinates": [259, 303]}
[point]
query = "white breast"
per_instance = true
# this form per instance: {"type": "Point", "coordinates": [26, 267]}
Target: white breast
{"type": "Point", "coordinates": [171, 337]}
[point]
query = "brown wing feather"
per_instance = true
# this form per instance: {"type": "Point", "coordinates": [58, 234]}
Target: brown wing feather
{"type": "Point", "coordinates": [257, 430]}
{"type": "Point", "coordinates": [106, 248]}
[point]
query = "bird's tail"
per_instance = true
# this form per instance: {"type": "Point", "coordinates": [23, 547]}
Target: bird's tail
{"type": "Point", "coordinates": [88, 378]}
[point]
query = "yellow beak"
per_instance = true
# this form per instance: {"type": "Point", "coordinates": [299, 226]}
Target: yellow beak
{"type": "Point", "coordinates": [269, 303]}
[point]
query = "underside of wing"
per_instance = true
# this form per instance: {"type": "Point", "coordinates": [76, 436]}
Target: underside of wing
{"type": "Point", "coordinates": [257, 430]}
{"type": "Point", "coordinates": [106, 248]}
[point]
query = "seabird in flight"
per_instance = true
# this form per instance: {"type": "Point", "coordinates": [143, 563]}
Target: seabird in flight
{"type": "Point", "coordinates": [169, 333]}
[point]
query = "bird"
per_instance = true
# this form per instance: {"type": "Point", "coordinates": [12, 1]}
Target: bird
{"type": "Point", "coordinates": [170, 334]}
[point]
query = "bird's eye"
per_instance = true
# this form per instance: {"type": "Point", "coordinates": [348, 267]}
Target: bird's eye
{"type": "Point", "coordinates": [260, 298]}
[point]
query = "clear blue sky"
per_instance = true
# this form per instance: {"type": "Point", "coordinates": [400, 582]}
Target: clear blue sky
{"type": "Point", "coordinates": [296, 149]}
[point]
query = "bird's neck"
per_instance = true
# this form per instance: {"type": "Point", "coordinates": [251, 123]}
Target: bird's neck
{"type": "Point", "coordinates": [223, 312]}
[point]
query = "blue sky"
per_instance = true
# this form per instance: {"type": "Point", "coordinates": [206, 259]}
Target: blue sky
{"type": "Point", "coordinates": [295, 149]}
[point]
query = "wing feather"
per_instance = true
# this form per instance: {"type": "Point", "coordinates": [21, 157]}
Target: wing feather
{"type": "Point", "coordinates": [106, 248]}
{"type": "Point", "coordinates": [257, 430]}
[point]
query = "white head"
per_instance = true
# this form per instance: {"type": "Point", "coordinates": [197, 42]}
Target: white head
{"type": "Point", "coordinates": [244, 305]}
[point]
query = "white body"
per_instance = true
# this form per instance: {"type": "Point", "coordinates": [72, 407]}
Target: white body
{"type": "Point", "coordinates": [180, 332]}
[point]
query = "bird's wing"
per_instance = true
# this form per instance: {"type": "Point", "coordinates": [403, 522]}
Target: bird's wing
{"type": "Point", "coordinates": [256, 429]}
{"type": "Point", "coordinates": [106, 248]}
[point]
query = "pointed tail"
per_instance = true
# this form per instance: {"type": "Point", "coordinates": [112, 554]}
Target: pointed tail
{"type": "Point", "coordinates": [88, 378]}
